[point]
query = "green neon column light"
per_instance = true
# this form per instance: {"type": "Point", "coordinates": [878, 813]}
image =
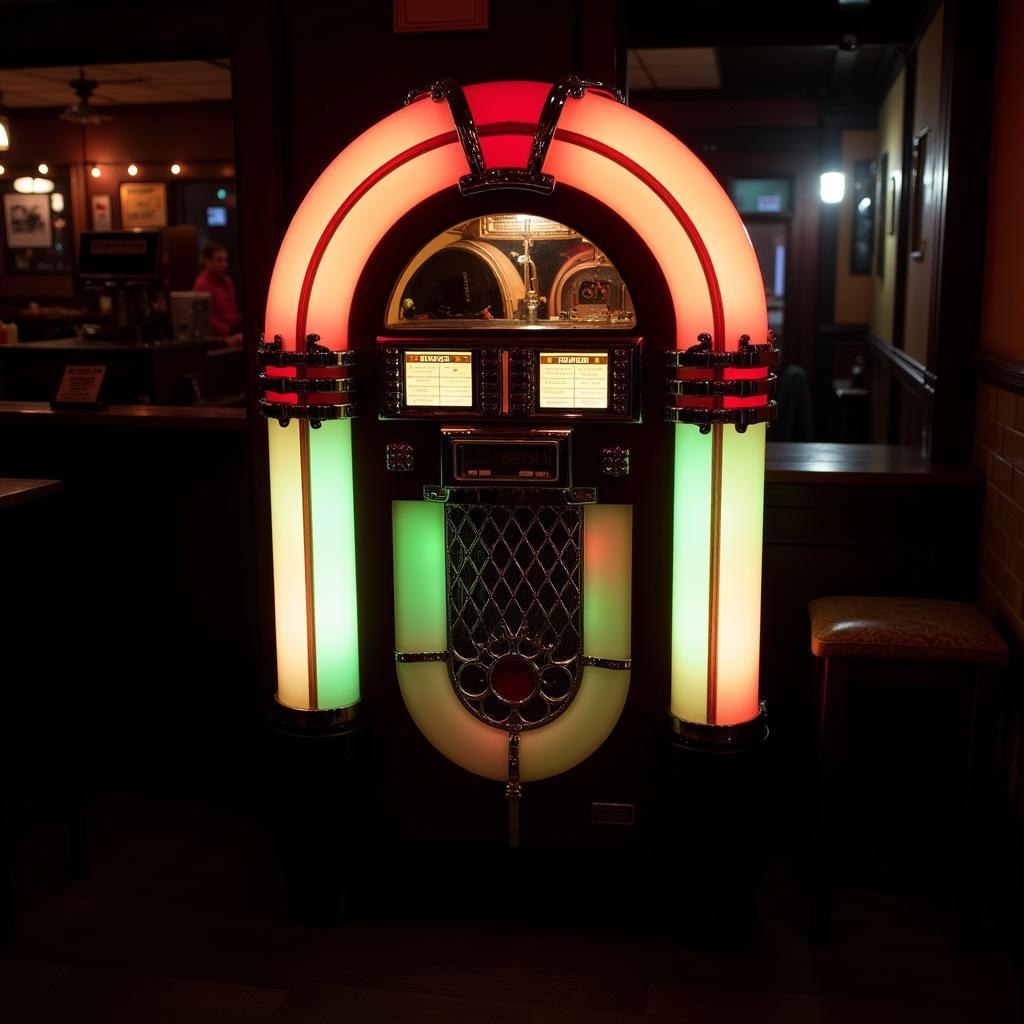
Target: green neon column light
{"type": "Point", "coordinates": [287, 522]}
{"type": "Point", "coordinates": [716, 584]}
{"type": "Point", "coordinates": [312, 518]}
{"type": "Point", "coordinates": [691, 532]}
{"type": "Point", "coordinates": [335, 618]}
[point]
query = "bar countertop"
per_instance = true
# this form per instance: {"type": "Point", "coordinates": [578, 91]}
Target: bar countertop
{"type": "Point", "coordinates": [15, 491]}
{"type": "Point", "coordinates": [821, 463]}
{"type": "Point", "coordinates": [188, 417]}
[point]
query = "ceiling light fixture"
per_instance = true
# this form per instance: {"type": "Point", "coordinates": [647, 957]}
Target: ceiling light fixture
{"type": "Point", "coordinates": [832, 187]}
{"type": "Point", "coordinates": [83, 112]}
{"type": "Point", "coordinates": [29, 186]}
{"type": "Point", "coordinates": [95, 170]}
{"type": "Point", "coordinates": [44, 168]}
{"type": "Point", "coordinates": [133, 170]}
{"type": "Point", "coordinates": [175, 168]}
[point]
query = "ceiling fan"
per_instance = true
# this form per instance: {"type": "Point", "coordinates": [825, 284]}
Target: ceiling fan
{"type": "Point", "coordinates": [82, 111]}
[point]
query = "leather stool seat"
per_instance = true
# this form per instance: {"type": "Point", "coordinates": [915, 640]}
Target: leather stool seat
{"type": "Point", "coordinates": [931, 642]}
{"type": "Point", "coordinates": [904, 629]}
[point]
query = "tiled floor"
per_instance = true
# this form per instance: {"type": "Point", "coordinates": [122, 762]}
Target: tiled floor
{"type": "Point", "coordinates": [181, 920]}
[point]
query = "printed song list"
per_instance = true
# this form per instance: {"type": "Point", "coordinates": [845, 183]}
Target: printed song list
{"type": "Point", "coordinates": [443, 379]}
{"type": "Point", "coordinates": [574, 380]}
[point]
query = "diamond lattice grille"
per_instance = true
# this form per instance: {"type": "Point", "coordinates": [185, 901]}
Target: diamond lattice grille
{"type": "Point", "coordinates": [514, 587]}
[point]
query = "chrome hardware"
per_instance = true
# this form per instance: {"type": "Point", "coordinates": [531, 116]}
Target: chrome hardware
{"type": "Point", "coordinates": [532, 179]}
{"type": "Point", "coordinates": [514, 596]}
{"type": "Point", "coordinates": [398, 457]}
{"type": "Point", "coordinates": [434, 492]}
{"type": "Point", "coordinates": [707, 380]}
{"type": "Point", "coordinates": [581, 495]}
{"type": "Point", "coordinates": [408, 657]}
{"type": "Point", "coordinates": [617, 664]}
{"type": "Point", "coordinates": [615, 461]}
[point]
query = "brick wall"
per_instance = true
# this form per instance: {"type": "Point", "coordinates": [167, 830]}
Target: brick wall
{"type": "Point", "coordinates": [999, 454]}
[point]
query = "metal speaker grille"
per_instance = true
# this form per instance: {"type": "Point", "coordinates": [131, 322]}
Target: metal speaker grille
{"type": "Point", "coordinates": [515, 609]}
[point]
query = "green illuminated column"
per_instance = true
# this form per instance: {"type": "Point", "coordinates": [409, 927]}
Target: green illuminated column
{"type": "Point", "coordinates": [333, 550]}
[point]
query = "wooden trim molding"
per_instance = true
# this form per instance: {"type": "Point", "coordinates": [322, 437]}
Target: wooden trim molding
{"type": "Point", "coordinates": [909, 370]}
{"type": "Point", "coordinates": [1001, 372]}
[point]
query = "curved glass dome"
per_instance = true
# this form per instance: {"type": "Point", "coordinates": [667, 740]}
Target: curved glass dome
{"type": "Point", "coordinates": [510, 270]}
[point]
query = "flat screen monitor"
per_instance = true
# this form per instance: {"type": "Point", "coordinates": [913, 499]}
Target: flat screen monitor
{"type": "Point", "coordinates": [441, 380]}
{"type": "Point", "coordinates": [119, 255]}
{"type": "Point", "coordinates": [573, 380]}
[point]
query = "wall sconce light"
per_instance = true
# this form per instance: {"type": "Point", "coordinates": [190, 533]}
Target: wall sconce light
{"type": "Point", "coordinates": [2, 169]}
{"type": "Point", "coordinates": [832, 187]}
{"type": "Point", "coordinates": [95, 170]}
{"type": "Point", "coordinates": [5, 126]}
{"type": "Point", "coordinates": [175, 168]}
{"type": "Point", "coordinates": [44, 168]}
{"type": "Point", "coordinates": [133, 170]}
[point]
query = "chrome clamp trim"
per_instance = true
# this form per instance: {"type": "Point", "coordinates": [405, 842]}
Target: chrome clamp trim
{"type": "Point", "coordinates": [408, 657]}
{"type": "Point", "coordinates": [617, 664]}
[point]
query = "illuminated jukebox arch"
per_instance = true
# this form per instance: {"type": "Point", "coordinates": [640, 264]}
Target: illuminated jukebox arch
{"type": "Point", "coordinates": [521, 136]}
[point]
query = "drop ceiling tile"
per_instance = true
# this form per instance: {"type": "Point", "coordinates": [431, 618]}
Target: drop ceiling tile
{"type": "Point", "coordinates": [686, 78]}
{"type": "Point", "coordinates": [639, 79]}
{"type": "Point", "coordinates": [687, 56]}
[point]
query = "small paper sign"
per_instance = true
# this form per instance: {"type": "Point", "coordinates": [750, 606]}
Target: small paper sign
{"type": "Point", "coordinates": [80, 385]}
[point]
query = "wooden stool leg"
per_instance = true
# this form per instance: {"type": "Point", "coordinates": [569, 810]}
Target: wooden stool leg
{"type": "Point", "coordinates": [833, 676]}
{"type": "Point", "coordinates": [972, 823]}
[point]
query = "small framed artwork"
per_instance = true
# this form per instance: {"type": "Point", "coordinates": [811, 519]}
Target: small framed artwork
{"type": "Point", "coordinates": [918, 156]}
{"type": "Point", "coordinates": [883, 202]}
{"type": "Point", "coordinates": [102, 213]}
{"type": "Point", "coordinates": [27, 223]}
{"type": "Point", "coordinates": [143, 204]}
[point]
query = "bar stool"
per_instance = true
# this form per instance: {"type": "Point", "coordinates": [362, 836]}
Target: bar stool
{"type": "Point", "coordinates": [859, 639]}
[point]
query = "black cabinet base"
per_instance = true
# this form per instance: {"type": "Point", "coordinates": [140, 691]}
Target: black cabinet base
{"type": "Point", "coordinates": [712, 831]}
{"type": "Point", "coordinates": [319, 809]}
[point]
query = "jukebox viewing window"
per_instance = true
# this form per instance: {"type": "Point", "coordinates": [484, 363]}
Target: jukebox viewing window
{"type": "Point", "coordinates": [511, 270]}
{"type": "Point", "coordinates": [442, 380]}
{"type": "Point", "coordinates": [573, 380]}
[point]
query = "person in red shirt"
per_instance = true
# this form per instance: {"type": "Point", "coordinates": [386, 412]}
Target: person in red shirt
{"type": "Point", "coordinates": [225, 320]}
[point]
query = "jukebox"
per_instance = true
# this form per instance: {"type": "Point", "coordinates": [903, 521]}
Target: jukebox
{"type": "Point", "coordinates": [516, 371]}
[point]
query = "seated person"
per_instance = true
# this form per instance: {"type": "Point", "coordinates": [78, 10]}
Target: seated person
{"type": "Point", "coordinates": [225, 320]}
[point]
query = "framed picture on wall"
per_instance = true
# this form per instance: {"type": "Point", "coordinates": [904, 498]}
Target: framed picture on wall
{"type": "Point", "coordinates": [102, 213]}
{"type": "Point", "coordinates": [27, 222]}
{"type": "Point", "coordinates": [917, 165]}
{"type": "Point", "coordinates": [143, 204]}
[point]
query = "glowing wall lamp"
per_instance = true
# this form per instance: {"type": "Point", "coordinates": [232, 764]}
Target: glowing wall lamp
{"type": "Point", "coordinates": [5, 126]}
{"type": "Point", "coordinates": [832, 187]}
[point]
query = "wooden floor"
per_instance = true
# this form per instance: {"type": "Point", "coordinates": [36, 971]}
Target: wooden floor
{"type": "Point", "coordinates": [181, 920]}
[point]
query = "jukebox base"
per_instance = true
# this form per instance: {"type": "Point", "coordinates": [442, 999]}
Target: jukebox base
{"type": "Point", "coordinates": [320, 811]}
{"type": "Point", "coordinates": [712, 830]}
